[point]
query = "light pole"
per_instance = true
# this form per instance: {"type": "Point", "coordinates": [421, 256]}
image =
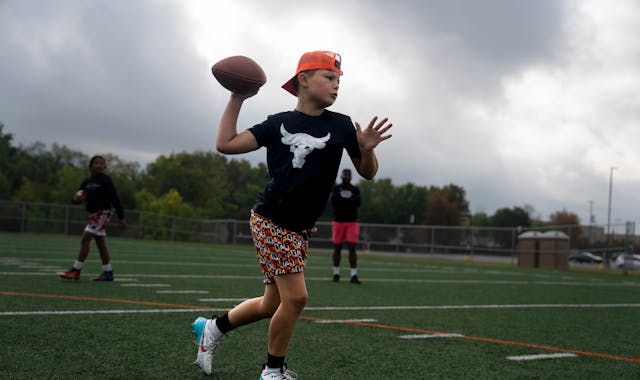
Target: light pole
{"type": "Point", "coordinates": [590, 220]}
{"type": "Point", "coordinates": [609, 208]}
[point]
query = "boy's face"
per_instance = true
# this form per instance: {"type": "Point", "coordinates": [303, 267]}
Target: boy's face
{"type": "Point", "coordinates": [97, 166]}
{"type": "Point", "coordinates": [322, 86]}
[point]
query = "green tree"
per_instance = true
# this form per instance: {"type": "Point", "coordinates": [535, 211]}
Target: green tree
{"type": "Point", "coordinates": [377, 199]}
{"type": "Point", "coordinates": [67, 182]}
{"type": "Point", "coordinates": [505, 217]}
{"type": "Point", "coordinates": [446, 206]}
{"type": "Point", "coordinates": [29, 191]}
{"type": "Point", "coordinates": [411, 204]}
{"type": "Point", "coordinates": [514, 217]}
{"type": "Point", "coordinates": [162, 221]}
{"type": "Point", "coordinates": [39, 166]}
{"type": "Point", "coordinates": [568, 222]}
{"type": "Point", "coordinates": [199, 177]}
{"type": "Point", "coordinates": [7, 152]}
{"type": "Point", "coordinates": [5, 187]}
{"type": "Point", "coordinates": [243, 185]}
{"type": "Point", "coordinates": [170, 203]}
{"type": "Point", "coordinates": [481, 219]}
{"type": "Point", "coordinates": [61, 155]}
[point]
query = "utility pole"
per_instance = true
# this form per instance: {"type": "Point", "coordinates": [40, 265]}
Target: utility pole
{"type": "Point", "coordinates": [590, 219]}
{"type": "Point", "coordinates": [606, 254]}
{"type": "Point", "coordinates": [609, 208]}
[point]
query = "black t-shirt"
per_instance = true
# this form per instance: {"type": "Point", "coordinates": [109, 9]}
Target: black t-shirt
{"type": "Point", "coordinates": [303, 157]}
{"type": "Point", "coordinates": [101, 194]}
{"type": "Point", "coordinates": [345, 199]}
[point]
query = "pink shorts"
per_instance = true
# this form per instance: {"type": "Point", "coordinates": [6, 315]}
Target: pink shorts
{"type": "Point", "coordinates": [279, 250]}
{"type": "Point", "coordinates": [345, 231]}
{"type": "Point", "coordinates": [98, 221]}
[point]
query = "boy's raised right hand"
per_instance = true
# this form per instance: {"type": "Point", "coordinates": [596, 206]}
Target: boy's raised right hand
{"type": "Point", "coordinates": [245, 96]}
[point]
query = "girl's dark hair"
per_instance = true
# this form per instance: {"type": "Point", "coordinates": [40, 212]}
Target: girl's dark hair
{"type": "Point", "coordinates": [95, 158]}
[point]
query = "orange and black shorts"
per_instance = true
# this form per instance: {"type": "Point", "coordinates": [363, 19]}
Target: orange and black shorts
{"type": "Point", "coordinates": [279, 250]}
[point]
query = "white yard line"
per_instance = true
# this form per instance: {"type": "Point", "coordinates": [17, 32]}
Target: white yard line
{"type": "Point", "coordinates": [163, 276]}
{"type": "Point", "coordinates": [182, 291]}
{"type": "Point", "coordinates": [330, 308]}
{"type": "Point", "coordinates": [345, 320]}
{"type": "Point", "coordinates": [454, 307]}
{"type": "Point", "coordinates": [221, 299]}
{"type": "Point", "coordinates": [75, 312]}
{"type": "Point", "coordinates": [541, 356]}
{"type": "Point", "coordinates": [430, 336]}
{"type": "Point", "coordinates": [148, 285]}
{"type": "Point", "coordinates": [623, 284]}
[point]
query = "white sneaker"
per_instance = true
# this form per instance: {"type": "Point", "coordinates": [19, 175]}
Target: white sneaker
{"type": "Point", "coordinates": [207, 343]}
{"type": "Point", "coordinates": [277, 374]}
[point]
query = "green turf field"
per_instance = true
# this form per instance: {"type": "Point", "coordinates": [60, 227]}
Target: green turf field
{"type": "Point", "coordinates": [410, 318]}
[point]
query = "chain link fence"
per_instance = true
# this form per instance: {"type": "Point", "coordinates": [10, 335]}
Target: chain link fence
{"type": "Point", "coordinates": [33, 217]}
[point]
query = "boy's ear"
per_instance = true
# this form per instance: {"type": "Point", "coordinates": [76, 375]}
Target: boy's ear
{"type": "Point", "coordinates": [303, 79]}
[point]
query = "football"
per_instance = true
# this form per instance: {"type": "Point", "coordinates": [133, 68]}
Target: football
{"type": "Point", "coordinates": [239, 74]}
{"type": "Point", "coordinates": [79, 196]}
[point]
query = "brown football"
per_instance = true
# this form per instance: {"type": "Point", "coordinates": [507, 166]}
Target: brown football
{"type": "Point", "coordinates": [239, 74]}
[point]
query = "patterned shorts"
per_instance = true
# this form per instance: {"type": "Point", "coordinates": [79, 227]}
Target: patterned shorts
{"type": "Point", "coordinates": [98, 221]}
{"type": "Point", "coordinates": [279, 250]}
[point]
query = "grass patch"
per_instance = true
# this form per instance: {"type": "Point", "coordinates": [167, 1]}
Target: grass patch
{"type": "Point", "coordinates": [76, 329]}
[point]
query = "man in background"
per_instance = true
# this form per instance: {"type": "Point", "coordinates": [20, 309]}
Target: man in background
{"type": "Point", "coordinates": [345, 199]}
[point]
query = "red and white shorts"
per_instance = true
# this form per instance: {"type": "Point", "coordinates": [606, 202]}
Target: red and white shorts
{"type": "Point", "coordinates": [98, 221]}
{"type": "Point", "coordinates": [345, 231]}
{"type": "Point", "coordinates": [279, 250]}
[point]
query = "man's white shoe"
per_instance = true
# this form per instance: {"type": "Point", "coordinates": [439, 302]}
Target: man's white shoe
{"type": "Point", "coordinates": [207, 343]}
{"type": "Point", "coordinates": [277, 374]}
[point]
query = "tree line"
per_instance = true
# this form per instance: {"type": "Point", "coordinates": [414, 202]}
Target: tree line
{"type": "Point", "coordinates": [205, 184]}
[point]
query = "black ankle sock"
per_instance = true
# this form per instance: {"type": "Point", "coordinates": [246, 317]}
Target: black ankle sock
{"type": "Point", "coordinates": [275, 361]}
{"type": "Point", "coordinates": [223, 324]}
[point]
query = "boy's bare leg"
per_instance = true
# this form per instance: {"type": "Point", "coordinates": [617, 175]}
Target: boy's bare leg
{"type": "Point", "coordinates": [83, 252]}
{"type": "Point", "coordinates": [293, 297]}
{"type": "Point", "coordinates": [101, 243]}
{"type": "Point", "coordinates": [255, 309]}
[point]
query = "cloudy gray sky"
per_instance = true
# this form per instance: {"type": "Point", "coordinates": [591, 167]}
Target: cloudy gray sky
{"type": "Point", "coordinates": [519, 102]}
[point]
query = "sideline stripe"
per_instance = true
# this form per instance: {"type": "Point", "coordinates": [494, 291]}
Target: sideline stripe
{"type": "Point", "coordinates": [542, 356]}
{"type": "Point", "coordinates": [362, 324]}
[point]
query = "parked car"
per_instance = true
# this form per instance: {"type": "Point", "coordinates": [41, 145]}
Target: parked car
{"type": "Point", "coordinates": [585, 257]}
{"type": "Point", "coordinates": [632, 261]}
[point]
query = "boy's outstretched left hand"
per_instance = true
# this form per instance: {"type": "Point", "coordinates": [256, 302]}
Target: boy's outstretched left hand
{"type": "Point", "coordinates": [373, 134]}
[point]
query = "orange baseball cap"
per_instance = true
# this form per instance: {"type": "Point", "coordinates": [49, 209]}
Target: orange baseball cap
{"type": "Point", "coordinates": [315, 60]}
